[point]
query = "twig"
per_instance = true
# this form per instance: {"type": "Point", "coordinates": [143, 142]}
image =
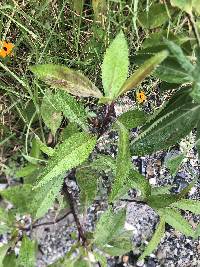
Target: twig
{"type": "Point", "coordinates": [50, 223]}
{"type": "Point", "coordinates": [133, 200]}
{"type": "Point", "coordinates": [70, 198]}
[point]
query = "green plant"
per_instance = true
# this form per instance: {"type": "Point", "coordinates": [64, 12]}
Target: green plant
{"type": "Point", "coordinates": [73, 147]}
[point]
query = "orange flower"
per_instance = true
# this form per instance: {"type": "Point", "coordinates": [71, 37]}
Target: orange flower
{"type": "Point", "coordinates": [141, 97]}
{"type": "Point", "coordinates": [5, 48]}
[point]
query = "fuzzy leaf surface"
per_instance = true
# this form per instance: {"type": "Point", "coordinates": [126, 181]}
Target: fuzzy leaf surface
{"type": "Point", "coordinates": [50, 115]}
{"type": "Point", "coordinates": [108, 226]}
{"type": "Point", "coordinates": [155, 240]}
{"type": "Point", "coordinates": [73, 110]}
{"type": "Point", "coordinates": [188, 204]}
{"type": "Point", "coordinates": [155, 17]}
{"type": "Point", "coordinates": [27, 254]}
{"type": "Point", "coordinates": [123, 162]}
{"type": "Point", "coordinates": [145, 70]}
{"type": "Point", "coordinates": [87, 180]}
{"type": "Point", "coordinates": [174, 218]}
{"type": "Point", "coordinates": [61, 77]}
{"type": "Point", "coordinates": [20, 196]}
{"type": "Point", "coordinates": [115, 66]}
{"type": "Point", "coordinates": [167, 130]}
{"type": "Point", "coordinates": [71, 153]}
{"type": "Point", "coordinates": [45, 196]}
{"type": "Point", "coordinates": [179, 55]}
{"type": "Point", "coordinates": [132, 118]}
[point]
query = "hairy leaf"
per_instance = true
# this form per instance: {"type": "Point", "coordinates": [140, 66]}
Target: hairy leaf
{"type": "Point", "coordinates": [173, 218]}
{"type": "Point", "coordinates": [132, 118]}
{"type": "Point", "coordinates": [145, 70]}
{"type": "Point", "coordinates": [69, 130]}
{"type": "Point", "coordinates": [174, 163]}
{"type": "Point", "coordinates": [109, 225]}
{"type": "Point", "coordinates": [68, 155]}
{"type": "Point", "coordinates": [167, 130]}
{"type": "Point", "coordinates": [3, 251]}
{"type": "Point", "coordinates": [26, 171]}
{"type": "Point", "coordinates": [180, 57]}
{"type": "Point", "coordinates": [188, 204]}
{"type": "Point", "coordinates": [10, 260]}
{"type": "Point", "coordinates": [100, 258]}
{"type": "Point", "coordinates": [20, 196]}
{"type": "Point", "coordinates": [115, 66]}
{"type": "Point", "coordinates": [44, 148]}
{"type": "Point", "coordinates": [27, 254]}
{"type": "Point", "coordinates": [87, 180]}
{"type": "Point", "coordinates": [45, 196]}
{"type": "Point", "coordinates": [161, 200]}
{"type": "Point", "coordinates": [155, 240]}
{"type": "Point", "coordinates": [155, 17]}
{"type": "Point", "coordinates": [61, 77]}
{"type": "Point", "coordinates": [123, 162]}
{"type": "Point", "coordinates": [103, 163]}
{"type": "Point", "coordinates": [50, 115]}
{"type": "Point", "coordinates": [169, 70]}
{"type": "Point", "coordinates": [73, 110]}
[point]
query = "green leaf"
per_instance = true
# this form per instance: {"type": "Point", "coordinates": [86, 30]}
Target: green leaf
{"type": "Point", "coordinates": [68, 131]}
{"type": "Point", "coordinates": [174, 163]}
{"type": "Point", "coordinates": [26, 171]}
{"type": "Point", "coordinates": [50, 115]}
{"type": "Point", "coordinates": [115, 66]}
{"type": "Point", "coordinates": [180, 57]}
{"type": "Point", "coordinates": [4, 228]}
{"type": "Point", "coordinates": [3, 251]}
{"type": "Point", "coordinates": [188, 204]}
{"type": "Point", "coordinates": [10, 260]}
{"type": "Point", "coordinates": [167, 130]}
{"type": "Point", "coordinates": [169, 70]}
{"type": "Point", "coordinates": [172, 217]}
{"type": "Point", "coordinates": [20, 196]}
{"type": "Point", "coordinates": [71, 153]}
{"type": "Point", "coordinates": [197, 232]}
{"type": "Point", "coordinates": [87, 180]}
{"type": "Point", "coordinates": [61, 77]}
{"type": "Point", "coordinates": [100, 258]}
{"type": "Point", "coordinates": [73, 110]}
{"type": "Point", "coordinates": [155, 17]}
{"type": "Point", "coordinates": [103, 163]}
{"type": "Point", "coordinates": [145, 70]}
{"type": "Point", "coordinates": [27, 254]}
{"type": "Point", "coordinates": [161, 200]}
{"type": "Point", "coordinates": [184, 5]}
{"type": "Point", "coordinates": [44, 148]}
{"type": "Point", "coordinates": [109, 225]}
{"type": "Point", "coordinates": [123, 163]}
{"type": "Point", "coordinates": [155, 240]}
{"type": "Point", "coordinates": [45, 196]}
{"type": "Point", "coordinates": [132, 118]}
{"type": "Point", "coordinates": [161, 190]}
{"type": "Point", "coordinates": [195, 94]}
{"type": "Point", "coordinates": [6, 217]}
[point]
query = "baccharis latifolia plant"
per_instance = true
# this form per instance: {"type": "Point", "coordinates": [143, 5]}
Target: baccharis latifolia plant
{"type": "Point", "coordinates": [70, 158]}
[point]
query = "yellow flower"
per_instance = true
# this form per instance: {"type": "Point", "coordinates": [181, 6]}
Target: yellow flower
{"type": "Point", "coordinates": [141, 97]}
{"type": "Point", "coordinates": [5, 48]}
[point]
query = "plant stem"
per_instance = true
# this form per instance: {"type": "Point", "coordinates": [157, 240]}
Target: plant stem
{"type": "Point", "coordinates": [109, 109]}
{"type": "Point", "coordinates": [70, 198]}
{"type": "Point", "coordinates": [194, 27]}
